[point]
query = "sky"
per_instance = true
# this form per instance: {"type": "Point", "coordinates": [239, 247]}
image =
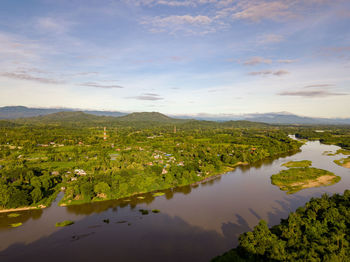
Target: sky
{"type": "Point", "coordinates": [179, 57]}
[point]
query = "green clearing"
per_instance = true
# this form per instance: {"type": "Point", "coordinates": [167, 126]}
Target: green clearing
{"type": "Point", "coordinates": [303, 163]}
{"type": "Point", "coordinates": [64, 223]}
{"type": "Point", "coordinates": [296, 179]}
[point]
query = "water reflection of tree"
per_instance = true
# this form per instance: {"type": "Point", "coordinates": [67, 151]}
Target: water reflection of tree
{"type": "Point", "coordinates": [265, 162]}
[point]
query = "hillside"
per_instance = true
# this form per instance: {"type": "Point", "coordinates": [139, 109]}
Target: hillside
{"type": "Point", "coordinates": [286, 118]}
{"type": "Point", "coordinates": [66, 118]}
{"type": "Point", "coordinates": [149, 117]}
{"type": "Point", "coordinates": [14, 112]}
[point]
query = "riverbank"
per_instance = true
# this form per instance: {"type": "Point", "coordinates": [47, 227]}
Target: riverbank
{"type": "Point", "coordinates": [21, 209]}
{"type": "Point", "coordinates": [225, 169]}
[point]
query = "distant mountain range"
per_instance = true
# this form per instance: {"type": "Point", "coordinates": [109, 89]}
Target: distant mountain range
{"type": "Point", "coordinates": [287, 118]}
{"type": "Point", "coordinates": [149, 116]}
{"type": "Point", "coordinates": [15, 112]}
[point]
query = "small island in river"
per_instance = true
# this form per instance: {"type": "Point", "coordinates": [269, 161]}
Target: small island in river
{"type": "Point", "coordinates": [302, 163]}
{"type": "Point", "coordinates": [295, 179]}
{"type": "Point", "coordinates": [344, 162]}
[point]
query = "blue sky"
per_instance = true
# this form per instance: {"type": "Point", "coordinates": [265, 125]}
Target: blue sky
{"type": "Point", "coordinates": [177, 57]}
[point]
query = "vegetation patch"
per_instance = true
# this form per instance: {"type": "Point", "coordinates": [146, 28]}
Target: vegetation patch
{"type": "Point", "coordinates": [64, 223]}
{"type": "Point", "coordinates": [344, 162]}
{"type": "Point", "coordinates": [158, 194]}
{"type": "Point", "coordinates": [16, 224]}
{"type": "Point", "coordinates": [143, 211]}
{"type": "Point", "coordinates": [296, 179]}
{"type": "Point", "coordinates": [303, 163]}
{"type": "Point", "coordinates": [155, 210]}
{"type": "Point", "coordinates": [319, 231]}
{"type": "Point", "coordinates": [13, 215]}
{"type": "Point", "coordinates": [339, 151]}
{"type": "Point", "coordinates": [344, 152]}
{"type": "Point", "coordinates": [40, 157]}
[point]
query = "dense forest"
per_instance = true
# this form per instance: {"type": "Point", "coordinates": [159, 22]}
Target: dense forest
{"type": "Point", "coordinates": [319, 231]}
{"type": "Point", "coordinates": [67, 151]}
{"type": "Point", "coordinates": [331, 135]}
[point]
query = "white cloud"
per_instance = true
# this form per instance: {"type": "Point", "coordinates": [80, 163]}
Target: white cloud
{"type": "Point", "coordinates": [53, 25]}
{"type": "Point", "coordinates": [269, 72]}
{"type": "Point", "coordinates": [258, 10]}
{"type": "Point", "coordinates": [270, 39]}
{"type": "Point", "coordinates": [186, 23]}
{"type": "Point", "coordinates": [28, 77]}
{"type": "Point", "coordinates": [257, 60]}
{"type": "Point", "coordinates": [311, 93]}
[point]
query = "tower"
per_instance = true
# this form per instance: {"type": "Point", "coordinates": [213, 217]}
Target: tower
{"type": "Point", "coordinates": [104, 133]}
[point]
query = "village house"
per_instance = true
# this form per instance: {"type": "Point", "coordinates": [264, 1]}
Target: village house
{"type": "Point", "coordinates": [55, 173]}
{"type": "Point", "coordinates": [80, 172]}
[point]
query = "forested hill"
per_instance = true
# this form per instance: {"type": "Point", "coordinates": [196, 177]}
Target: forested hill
{"type": "Point", "coordinates": [62, 118]}
{"type": "Point", "coordinates": [14, 112]}
{"type": "Point", "coordinates": [134, 120]}
{"type": "Point", "coordinates": [150, 117]}
{"type": "Point", "coordinates": [84, 119]}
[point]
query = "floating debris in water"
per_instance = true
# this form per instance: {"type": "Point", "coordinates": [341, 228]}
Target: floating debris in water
{"type": "Point", "coordinates": [13, 215]}
{"type": "Point", "coordinates": [64, 223]}
{"type": "Point", "coordinates": [16, 224]}
{"type": "Point", "coordinates": [77, 237]}
{"type": "Point", "coordinates": [143, 211]}
{"type": "Point", "coordinates": [121, 222]}
{"type": "Point", "coordinates": [158, 194]}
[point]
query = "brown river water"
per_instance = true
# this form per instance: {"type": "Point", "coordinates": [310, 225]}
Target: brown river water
{"type": "Point", "coordinates": [194, 223]}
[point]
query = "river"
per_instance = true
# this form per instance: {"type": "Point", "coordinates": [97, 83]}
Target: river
{"type": "Point", "coordinates": [194, 223]}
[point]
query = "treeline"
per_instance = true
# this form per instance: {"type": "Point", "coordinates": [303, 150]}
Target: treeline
{"type": "Point", "coordinates": [328, 135]}
{"type": "Point", "coordinates": [319, 231]}
{"type": "Point", "coordinates": [23, 186]}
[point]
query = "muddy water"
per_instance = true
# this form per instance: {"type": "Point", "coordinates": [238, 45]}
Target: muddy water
{"type": "Point", "coordinates": [194, 223]}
